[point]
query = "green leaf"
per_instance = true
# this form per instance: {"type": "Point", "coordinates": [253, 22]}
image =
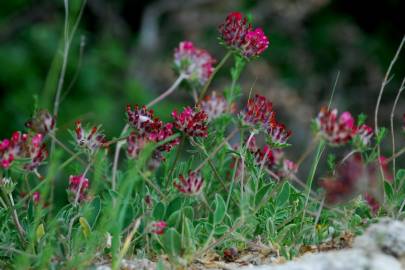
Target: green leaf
{"type": "Point", "coordinates": [174, 219]}
{"type": "Point", "coordinates": [400, 177]}
{"type": "Point", "coordinates": [187, 236]}
{"type": "Point", "coordinates": [389, 191]}
{"type": "Point", "coordinates": [283, 195]}
{"type": "Point", "coordinates": [221, 230]}
{"type": "Point", "coordinates": [188, 212]}
{"type": "Point", "coordinates": [261, 194]}
{"type": "Point", "coordinates": [85, 227]}
{"type": "Point", "coordinates": [174, 205]}
{"type": "Point", "coordinates": [220, 209]}
{"type": "Point", "coordinates": [172, 242]}
{"type": "Point", "coordinates": [159, 211]}
{"type": "Point", "coordinates": [93, 211]}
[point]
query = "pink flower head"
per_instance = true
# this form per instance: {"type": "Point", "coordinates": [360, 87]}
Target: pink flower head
{"type": "Point", "coordinates": [256, 42]}
{"type": "Point", "coordinates": [214, 106]}
{"type": "Point", "coordinates": [158, 227]}
{"type": "Point", "coordinates": [79, 184]}
{"type": "Point", "coordinates": [288, 167]}
{"type": "Point", "coordinates": [42, 122]}
{"type": "Point", "coordinates": [191, 122]}
{"type": "Point", "coordinates": [337, 131]}
{"type": "Point", "coordinates": [135, 144]}
{"type": "Point", "coordinates": [36, 197]}
{"type": "Point", "coordinates": [140, 119]}
{"type": "Point", "coordinates": [353, 177]}
{"type": "Point", "coordinates": [237, 33]}
{"type": "Point", "coordinates": [278, 134]}
{"type": "Point", "coordinates": [90, 140]}
{"type": "Point", "coordinates": [372, 202]}
{"type": "Point", "coordinates": [258, 112]}
{"type": "Point", "coordinates": [160, 132]}
{"type": "Point", "coordinates": [233, 31]}
{"type": "Point", "coordinates": [190, 186]}
{"type": "Point", "coordinates": [363, 135]}
{"type": "Point", "coordinates": [384, 163]}
{"type": "Point", "coordinates": [36, 152]}
{"type": "Point", "coordinates": [21, 145]}
{"type": "Point", "coordinates": [345, 185]}
{"type": "Point", "coordinates": [196, 64]}
{"type": "Point", "coordinates": [265, 157]}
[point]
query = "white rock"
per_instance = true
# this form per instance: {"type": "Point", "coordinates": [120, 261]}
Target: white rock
{"type": "Point", "coordinates": [386, 236]}
{"type": "Point", "coordinates": [350, 259]}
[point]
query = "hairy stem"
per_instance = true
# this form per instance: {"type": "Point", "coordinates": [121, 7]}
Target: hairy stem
{"type": "Point", "coordinates": [168, 91]}
{"type": "Point", "coordinates": [401, 88]}
{"type": "Point", "coordinates": [377, 107]}
{"type": "Point", "coordinates": [217, 68]}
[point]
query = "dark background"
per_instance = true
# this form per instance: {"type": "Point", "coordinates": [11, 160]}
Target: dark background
{"type": "Point", "coordinates": [127, 57]}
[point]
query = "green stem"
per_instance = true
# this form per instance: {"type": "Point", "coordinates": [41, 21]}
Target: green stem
{"type": "Point", "coordinates": [310, 180]}
{"type": "Point", "coordinates": [217, 68]}
{"type": "Point", "coordinates": [176, 159]}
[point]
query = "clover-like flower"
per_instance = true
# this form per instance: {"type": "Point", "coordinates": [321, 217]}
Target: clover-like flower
{"type": "Point", "coordinates": [42, 122]}
{"type": "Point", "coordinates": [336, 130]}
{"type": "Point", "coordinates": [363, 135]}
{"type": "Point", "coordinates": [238, 34]}
{"type": "Point", "coordinates": [36, 151]}
{"type": "Point", "coordinates": [29, 148]}
{"type": "Point", "coordinates": [214, 106]}
{"type": "Point", "coordinates": [160, 132]}
{"type": "Point", "coordinates": [255, 44]}
{"type": "Point", "coordinates": [192, 185]}
{"type": "Point", "coordinates": [135, 144]}
{"type": "Point", "coordinates": [350, 176]}
{"type": "Point", "coordinates": [158, 227]}
{"type": "Point", "coordinates": [191, 122]}
{"type": "Point", "coordinates": [278, 134]}
{"type": "Point", "coordinates": [140, 119]}
{"type": "Point", "coordinates": [78, 184]}
{"type": "Point", "coordinates": [36, 197]}
{"type": "Point", "coordinates": [90, 140]}
{"type": "Point", "coordinates": [258, 112]}
{"type": "Point", "coordinates": [194, 63]}
{"type": "Point", "coordinates": [265, 157]}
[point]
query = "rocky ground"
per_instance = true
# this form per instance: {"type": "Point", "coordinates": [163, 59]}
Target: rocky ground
{"type": "Point", "coordinates": [381, 247]}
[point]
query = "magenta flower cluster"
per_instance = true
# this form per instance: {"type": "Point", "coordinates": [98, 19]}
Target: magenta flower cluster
{"type": "Point", "coordinates": [238, 34]}
{"type": "Point", "coordinates": [215, 105]}
{"type": "Point", "coordinates": [147, 128]}
{"type": "Point", "coordinates": [259, 115]}
{"type": "Point", "coordinates": [23, 146]}
{"type": "Point", "coordinates": [78, 186]}
{"type": "Point", "coordinates": [90, 140]}
{"type": "Point", "coordinates": [193, 122]}
{"type": "Point", "coordinates": [194, 63]}
{"type": "Point", "coordinates": [339, 130]}
{"type": "Point", "coordinates": [192, 185]}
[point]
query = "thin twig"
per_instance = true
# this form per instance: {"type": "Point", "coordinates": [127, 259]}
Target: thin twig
{"type": "Point", "coordinates": [20, 229]}
{"type": "Point", "coordinates": [150, 182]}
{"type": "Point", "coordinates": [168, 91]}
{"type": "Point", "coordinates": [397, 154]}
{"type": "Point", "coordinates": [126, 127]}
{"type": "Point", "coordinates": [82, 177]}
{"type": "Point", "coordinates": [377, 107]}
{"type": "Point", "coordinates": [215, 151]}
{"type": "Point", "coordinates": [401, 88]}
{"type": "Point", "coordinates": [217, 68]}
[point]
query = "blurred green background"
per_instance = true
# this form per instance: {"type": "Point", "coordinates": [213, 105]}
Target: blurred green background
{"type": "Point", "coordinates": [127, 47]}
